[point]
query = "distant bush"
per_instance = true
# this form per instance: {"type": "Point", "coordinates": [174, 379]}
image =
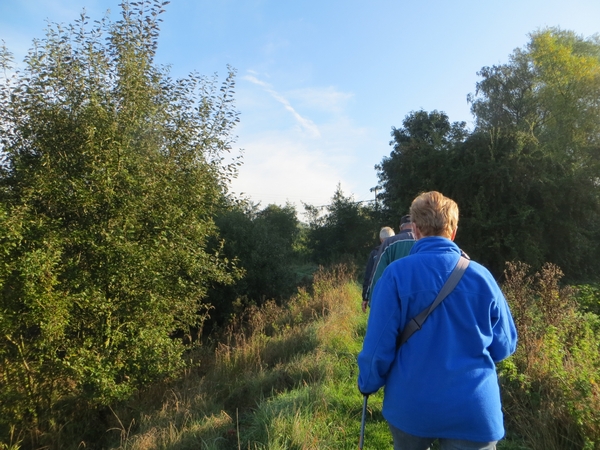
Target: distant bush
{"type": "Point", "coordinates": [345, 233]}
{"type": "Point", "coordinates": [551, 385]}
{"type": "Point", "coordinates": [588, 298]}
{"type": "Point", "coordinates": [262, 242]}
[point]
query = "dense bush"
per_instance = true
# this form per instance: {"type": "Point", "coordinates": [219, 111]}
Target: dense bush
{"type": "Point", "coordinates": [263, 244]}
{"type": "Point", "coordinates": [346, 231]}
{"type": "Point", "coordinates": [112, 173]}
{"type": "Point", "coordinates": [551, 385]}
{"type": "Point", "coordinates": [588, 298]}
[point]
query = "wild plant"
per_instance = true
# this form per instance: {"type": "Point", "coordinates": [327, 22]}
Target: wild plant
{"type": "Point", "coordinates": [551, 385]}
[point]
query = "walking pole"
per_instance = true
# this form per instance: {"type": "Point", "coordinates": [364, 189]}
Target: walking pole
{"type": "Point", "coordinates": [362, 423]}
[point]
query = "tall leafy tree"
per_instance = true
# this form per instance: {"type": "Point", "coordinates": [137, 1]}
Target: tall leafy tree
{"type": "Point", "coordinates": [111, 177]}
{"type": "Point", "coordinates": [419, 160]}
{"type": "Point", "coordinates": [527, 177]}
{"type": "Point", "coordinates": [498, 188]}
{"type": "Point", "coordinates": [545, 103]}
{"type": "Point", "coordinates": [345, 232]}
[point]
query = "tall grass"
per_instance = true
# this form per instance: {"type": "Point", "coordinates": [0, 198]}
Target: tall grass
{"type": "Point", "coordinates": [551, 385]}
{"type": "Point", "coordinates": [282, 377]}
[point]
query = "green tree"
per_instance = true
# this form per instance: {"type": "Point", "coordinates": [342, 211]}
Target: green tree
{"type": "Point", "coordinates": [497, 185]}
{"type": "Point", "coordinates": [419, 160]}
{"type": "Point", "coordinates": [526, 178]}
{"type": "Point", "coordinates": [112, 174]}
{"type": "Point", "coordinates": [345, 233]}
{"type": "Point", "coordinates": [263, 243]}
{"type": "Point", "coordinates": [548, 91]}
{"type": "Point", "coordinates": [545, 105]}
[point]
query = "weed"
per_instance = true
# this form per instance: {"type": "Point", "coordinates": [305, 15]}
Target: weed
{"type": "Point", "coordinates": [551, 384]}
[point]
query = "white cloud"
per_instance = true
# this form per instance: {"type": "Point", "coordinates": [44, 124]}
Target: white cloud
{"type": "Point", "coordinates": [283, 162]}
{"type": "Point", "coordinates": [305, 124]}
{"type": "Point", "coordinates": [279, 168]}
{"type": "Point", "coordinates": [325, 99]}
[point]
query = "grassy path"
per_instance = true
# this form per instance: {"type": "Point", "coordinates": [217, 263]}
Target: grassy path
{"type": "Point", "coordinates": [286, 381]}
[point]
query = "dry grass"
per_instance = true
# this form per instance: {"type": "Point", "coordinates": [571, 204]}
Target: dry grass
{"type": "Point", "coordinates": [281, 377]}
{"type": "Point", "coordinates": [269, 351]}
{"type": "Point", "coordinates": [551, 385]}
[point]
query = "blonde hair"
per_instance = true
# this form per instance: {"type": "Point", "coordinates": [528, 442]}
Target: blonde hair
{"type": "Point", "coordinates": [434, 215]}
{"type": "Point", "coordinates": [386, 232]}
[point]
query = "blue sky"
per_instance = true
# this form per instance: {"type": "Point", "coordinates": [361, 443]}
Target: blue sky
{"type": "Point", "coordinates": [321, 83]}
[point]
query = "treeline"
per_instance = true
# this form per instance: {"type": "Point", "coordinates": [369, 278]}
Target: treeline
{"type": "Point", "coordinates": [527, 178]}
{"type": "Point", "coordinates": [276, 252]}
{"type": "Point", "coordinates": [121, 245]}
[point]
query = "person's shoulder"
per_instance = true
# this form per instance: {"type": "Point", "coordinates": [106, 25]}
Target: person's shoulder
{"type": "Point", "coordinates": [401, 245]}
{"type": "Point", "coordinates": [479, 268]}
{"type": "Point", "coordinates": [398, 240]}
{"type": "Point", "coordinates": [481, 273]}
{"type": "Point", "coordinates": [389, 240]}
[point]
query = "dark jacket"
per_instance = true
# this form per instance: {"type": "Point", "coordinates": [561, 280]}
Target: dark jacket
{"type": "Point", "coordinates": [370, 269]}
{"type": "Point", "coordinates": [393, 248]}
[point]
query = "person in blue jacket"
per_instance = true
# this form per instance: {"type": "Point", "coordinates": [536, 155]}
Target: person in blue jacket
{"type": "Point", "coordinates": [442, 383]}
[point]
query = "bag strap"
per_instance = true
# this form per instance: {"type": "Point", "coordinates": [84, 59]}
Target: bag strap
{"type": "Point", "coordinates": [417, 322]}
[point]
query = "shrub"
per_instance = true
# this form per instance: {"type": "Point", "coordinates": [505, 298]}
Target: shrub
{"type": "Point", "coordinates": [551, 385]}
{"type": "Point", "coordinates": [111, 175]}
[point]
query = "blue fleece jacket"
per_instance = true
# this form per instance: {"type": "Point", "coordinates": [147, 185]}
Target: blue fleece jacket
{"type": "Point", "coordinates": [442, 382]}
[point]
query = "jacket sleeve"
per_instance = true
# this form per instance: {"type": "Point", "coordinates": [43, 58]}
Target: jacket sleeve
{"type": "Point", "coordinates": [379, 347]}
{"type": "Point", "coordinates": [380, 262]}
{"type": "Point", "coordinates": [368, 273]}
{"type": "Point", "coordinates": [504, 341]}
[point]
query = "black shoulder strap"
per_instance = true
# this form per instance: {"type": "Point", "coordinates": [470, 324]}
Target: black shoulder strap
{"type": "Point", "coordinates": [417, 322]}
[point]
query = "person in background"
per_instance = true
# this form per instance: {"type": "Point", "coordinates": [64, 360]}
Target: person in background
{"type": "Point", "coordinates": [384, 233]}
{"type": "Point", "coordinates": [390, 250]}
{"type": "Point", "coordinates": [442, 383]}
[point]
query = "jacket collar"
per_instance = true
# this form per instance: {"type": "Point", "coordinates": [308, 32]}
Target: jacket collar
{"type": "Point", "coordinates": [435, 244]}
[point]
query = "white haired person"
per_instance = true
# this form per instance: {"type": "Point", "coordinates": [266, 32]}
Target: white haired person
{"type": "Point", "coordinates": [394, 248]}
{"type": "Point", "coordinates": [384, 233]}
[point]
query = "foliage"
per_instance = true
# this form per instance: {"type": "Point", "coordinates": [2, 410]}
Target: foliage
{"type": "Point", "coordinates": [526, 178]}
{"type": "Point", "coordinates": [345, 233]}
{"type": "Point", "coordinates": [263, 244]}
{"type": "Point", "coordinates": [588, 298]}
{"type": "Point", "coordinates": [419, 159]}
{"type": "Point", "coordinates": [112, 172]}
{"type": "Point", "coordinates": [544, 105]}
{"type": "Point", "coordinates": [501, 188]}
{"type": "Point", "coordinates": [551, 385]}
{"type": "Point", "coordinates": [284, 377]}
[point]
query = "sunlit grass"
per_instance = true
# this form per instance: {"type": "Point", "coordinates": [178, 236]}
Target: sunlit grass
{"type": "Point", "coordinates": [283, 378]}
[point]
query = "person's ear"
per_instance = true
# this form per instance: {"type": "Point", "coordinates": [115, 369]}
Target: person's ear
{"type": "Point", "coordinates": [453, 234]}
{"type": "Point", "coordinates": [417, 232]}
